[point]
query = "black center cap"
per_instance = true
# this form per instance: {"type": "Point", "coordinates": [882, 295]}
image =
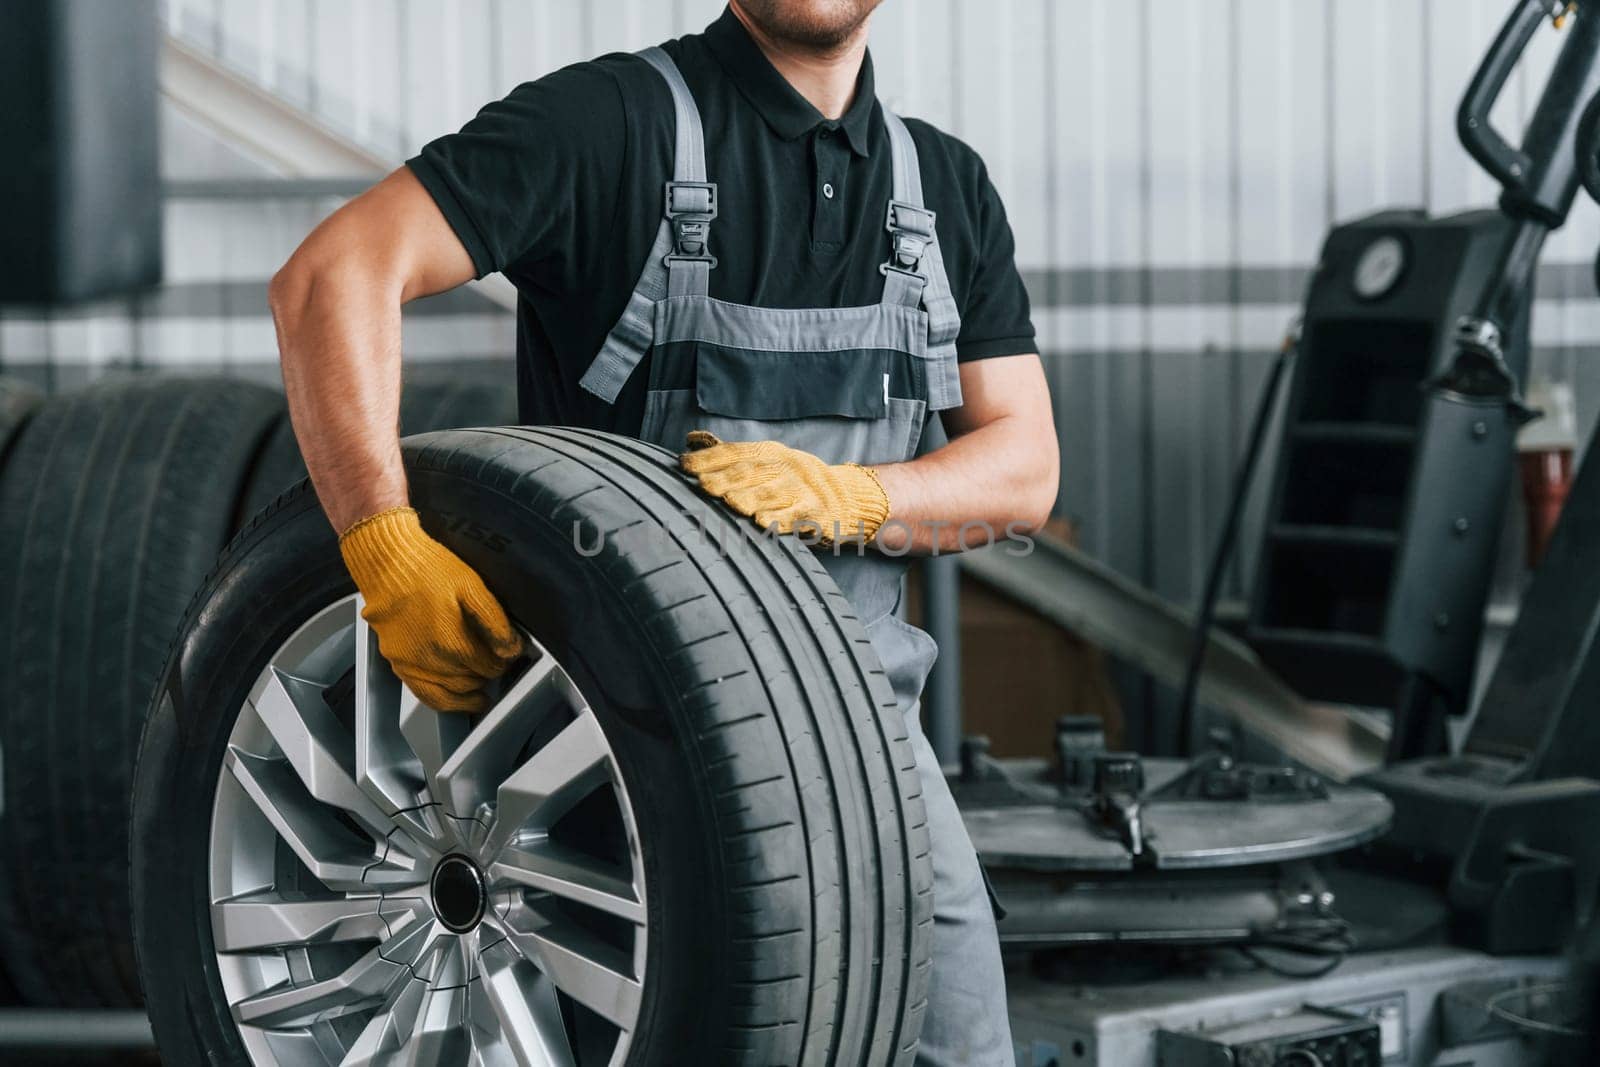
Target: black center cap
{"type": "Point", "coordinates": [459, 895]}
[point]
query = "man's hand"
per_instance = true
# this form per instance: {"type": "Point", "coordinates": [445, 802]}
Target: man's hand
{"type": "Point", "coordinates": [783, 487]}
{"type": "Point", "coordinates": [438, 625]}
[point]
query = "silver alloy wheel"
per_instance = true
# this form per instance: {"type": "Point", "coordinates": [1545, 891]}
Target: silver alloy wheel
{"type": "Point", "coordinates": [393, 885]}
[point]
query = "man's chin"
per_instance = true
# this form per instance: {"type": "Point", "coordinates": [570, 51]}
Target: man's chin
{"type": "Point", "coordinates": [813, 24]}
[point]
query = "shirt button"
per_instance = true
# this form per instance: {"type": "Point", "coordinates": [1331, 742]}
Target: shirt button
{"type": "Point", "coordinates": [827, 190]}
{"type": "Point", "coordinates": [826, 133]}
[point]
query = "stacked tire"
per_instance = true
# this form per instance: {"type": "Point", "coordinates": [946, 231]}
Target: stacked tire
{"type": "Point", "coordinates": [115, 501]}
{"type": "Point", "coordinates": [18, 399]}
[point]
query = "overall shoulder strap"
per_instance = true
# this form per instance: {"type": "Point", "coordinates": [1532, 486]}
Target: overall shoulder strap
{"type": "Point", "coordinates": [680, 261]}
{"type": "Point", "coordinates": [914, 273]}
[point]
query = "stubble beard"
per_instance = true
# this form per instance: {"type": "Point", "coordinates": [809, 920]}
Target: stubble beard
{"type": "Point", "coordinates": [821, 25]}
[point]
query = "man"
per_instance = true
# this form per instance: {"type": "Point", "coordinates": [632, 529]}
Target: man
{"type": "Point", "coordinates": [824, 278]}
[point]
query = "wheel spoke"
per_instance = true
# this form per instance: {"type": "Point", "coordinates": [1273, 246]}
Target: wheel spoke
{"type": "Point", "coordinates": [368, 981]}
{"type": "Point", "coordinates": [431, 735]}
{"type": "Point", "coordinates": [440, 1035]}
{"type": "Point", "coordinates": [570, 874]}
{"type": "Point", "coordinates": [386, 768]}
{"type": "Point", "coordinates": [266, 921]}
{"type": "Point", "coordinates": [316, 746]}
{"type": "Point", "coordinates": [329, 850]}
{"type": "Point", "coordinates": [364, 983]}
{"type": "Point", "coordinates": [386, 1032]}
{"type": "Point", "coordinates": [525, 1008]}
{"type": "Point", "coordinates": [484, 758]}
{"type": "Point", "coordinates": [551, 781]}
{"type": "Point", "coordinates": [588, 970]}
{"type": "Point", "coordinates": [403, 911]}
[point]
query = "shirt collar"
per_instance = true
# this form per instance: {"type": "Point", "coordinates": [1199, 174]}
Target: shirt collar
{"type": "Point", "coordinates": [788, 113]}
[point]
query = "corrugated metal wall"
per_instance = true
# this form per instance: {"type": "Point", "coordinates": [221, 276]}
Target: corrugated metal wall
{"type": "Point", "coordinates": [1169, 167]}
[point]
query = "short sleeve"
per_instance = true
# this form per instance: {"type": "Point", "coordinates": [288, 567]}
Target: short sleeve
{"type": "Point", "coordinates": [996, 319]}
{"type": "Point", "coordinates": [518, 182]}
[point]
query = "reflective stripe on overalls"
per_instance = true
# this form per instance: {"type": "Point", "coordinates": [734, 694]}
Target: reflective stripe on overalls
{"type": "Point", "coordinates": [853, 384]}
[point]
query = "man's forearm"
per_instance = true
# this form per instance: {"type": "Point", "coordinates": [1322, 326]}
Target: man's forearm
{"type": "Point", "coordinates": [989, 483]}
{"type": "Point", "coordinates": [339, 345]}
{"type": "Point", "coordinates": [336, 305]}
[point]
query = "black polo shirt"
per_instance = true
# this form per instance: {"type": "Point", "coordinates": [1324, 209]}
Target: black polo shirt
{"type": "Point", "coordinates": [559, 186]}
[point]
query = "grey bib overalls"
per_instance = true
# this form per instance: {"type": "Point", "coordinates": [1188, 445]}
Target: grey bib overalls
{"type": "Point", "coordinates": [853, 384]}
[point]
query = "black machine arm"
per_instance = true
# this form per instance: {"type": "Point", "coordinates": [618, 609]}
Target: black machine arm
{"type": "Point", "coordinates": [1588, 148]}
{"type": "Point", "coordinates": [1539, 180]}
{"type": "Point", "coordinates": [1525, 173]}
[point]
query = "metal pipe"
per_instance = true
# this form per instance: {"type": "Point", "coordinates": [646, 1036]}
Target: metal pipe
{"type": "Point", "coordinates": [60, 1029]}
{"type": "Point", "coordinates": [1225, 543]}
{"type": "Point", "coordinates": [941, 698]}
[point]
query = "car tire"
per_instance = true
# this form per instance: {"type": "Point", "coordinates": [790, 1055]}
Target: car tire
{"type": "Point", "coordinates": [424, 406]}
{"type": "Point", "coordinates": [17, 401]}
{"type": "Point", "coordinates": [782, 845]}
{"type": "Point", "coordinates": [114, 504]}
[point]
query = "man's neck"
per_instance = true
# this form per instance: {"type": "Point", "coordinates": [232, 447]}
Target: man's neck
{"type": "Point", "coordinates": [826, 78]}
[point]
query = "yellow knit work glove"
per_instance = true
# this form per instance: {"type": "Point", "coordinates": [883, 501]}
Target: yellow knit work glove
{"type": "Point", "coordinates": [438, 625]}
{"type": "Point", "coordinates": [783, 487]}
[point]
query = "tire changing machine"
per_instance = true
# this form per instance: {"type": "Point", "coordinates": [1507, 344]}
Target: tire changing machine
{"type": "Point", "coordinates": [1215, 912]}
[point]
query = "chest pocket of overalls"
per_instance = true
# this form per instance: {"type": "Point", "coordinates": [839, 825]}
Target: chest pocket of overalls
{"type": "Point", "coordinates": [846, 384]}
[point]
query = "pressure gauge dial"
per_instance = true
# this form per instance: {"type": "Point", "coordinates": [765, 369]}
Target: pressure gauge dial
{"type": "Point", "coordinates": [1379, 268]}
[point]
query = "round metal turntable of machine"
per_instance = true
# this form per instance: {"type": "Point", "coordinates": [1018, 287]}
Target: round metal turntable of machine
{"type": "Point", "coordinates": [1107, 811]}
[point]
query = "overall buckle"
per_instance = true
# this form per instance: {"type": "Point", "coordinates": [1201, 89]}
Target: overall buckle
{"type": "Point", "coordinates": [910, 233]}
{"type": "Point", "coordinates": [690, 207]}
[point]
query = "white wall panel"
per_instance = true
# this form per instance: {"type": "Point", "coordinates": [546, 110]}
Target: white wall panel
{"type": "Point", "coordinates": [1095, 352]}
{"type": "Point", "coordinates": [516, 25]}
{"type": "Point", "coordinates": [564, 32]}
{"type": "Point", "coordinates": [915, 59]}
{"type": "Point", "coordinates": [376, 75]}
{"type": "Point", "coordinates": [1376, 112]}
{"type": "Point", "coordinates": [983, 91]}
{"type": "Point", "coordinates": [246, 36]}
{"type": "Point", "coordinates": [286, 49]}
{"type": "Point", "coordinates": [340, 36]}
{"type": "Point", "coordinates": [431, 90]}
{"type": "Point", "coordinates": [1281, 159]}
{"type": "Point", "coordinates": [1189, 208]}
{"type": "Point", "coordinates": [633, 24]}
{"type": "Point", "coordinates": [1456, 34]}
{"type": "Point", "coordinates": [472, 83]}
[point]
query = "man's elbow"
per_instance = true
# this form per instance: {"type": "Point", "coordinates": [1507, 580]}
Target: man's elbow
{"type": "Point", "coordinates": [1039, 497]}
{"type": "Point", "coordinates": [335, 268]}
{"type": "Point", "coordinates": [289, 291]}
{"type": "Point", "coordinates": [1043, 478]}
